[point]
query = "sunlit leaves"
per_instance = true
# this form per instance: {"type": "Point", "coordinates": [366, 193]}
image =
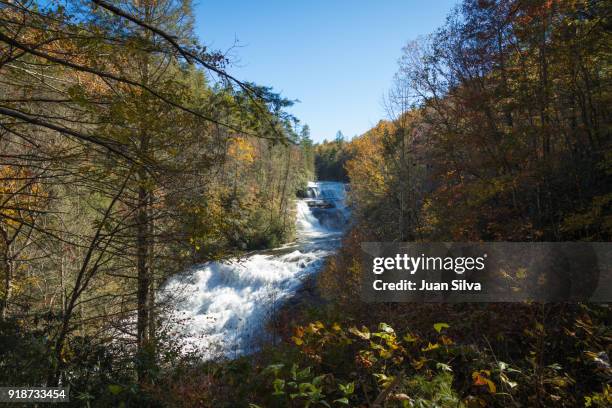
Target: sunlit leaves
{"type": "Point", "coordinates": [482, 377]}
{"type": "Point", "coordinates": [439, 326]}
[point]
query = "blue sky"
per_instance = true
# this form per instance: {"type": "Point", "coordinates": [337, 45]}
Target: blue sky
{"type": "Point", "coordinates": [337, 57]}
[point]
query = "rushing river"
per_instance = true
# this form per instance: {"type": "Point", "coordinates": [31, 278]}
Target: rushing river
{"type": "Point", "coordinates": [224, 306]}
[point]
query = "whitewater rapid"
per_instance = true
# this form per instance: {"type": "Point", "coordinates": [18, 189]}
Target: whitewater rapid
{"type": "Point", "coordinates": [223, 307]}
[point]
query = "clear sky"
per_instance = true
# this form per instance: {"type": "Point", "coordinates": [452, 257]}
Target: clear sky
{"type": "Point", "coordinates": [338, 57]}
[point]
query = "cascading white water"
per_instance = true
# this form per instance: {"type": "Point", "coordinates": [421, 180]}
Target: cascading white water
{"type": "Point", "coordinates": [225, 305]}
{"type": "Point", "coordinates": [307, 224]}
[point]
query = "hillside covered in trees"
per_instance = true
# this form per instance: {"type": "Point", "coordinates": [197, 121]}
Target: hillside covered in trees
{"type": "Point", "coordinates": [330, 159]}
{"type": "Point", "coordinates": [129, 154]}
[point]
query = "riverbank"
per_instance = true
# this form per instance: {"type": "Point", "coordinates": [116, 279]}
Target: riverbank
{"type": "Point", "coordinates": [226, 306]}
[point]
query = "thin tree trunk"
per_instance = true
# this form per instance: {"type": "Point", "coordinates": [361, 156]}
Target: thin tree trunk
{"type": "Point", "coordinates": [86, 272]}
{"type": "Point", "coordinates": [9, 268]}
{"type": "Point", "coordinates": [144, 352]}
{"type": "Point", "coordinates": [152, 315]}
{"type": "Point", "coordinates": [142, 266]}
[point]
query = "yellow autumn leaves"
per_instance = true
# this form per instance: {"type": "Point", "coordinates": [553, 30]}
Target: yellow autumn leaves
{"type": "Point", "coordinates": [241, 149]}
{"type": "Point", "coordinates": [20, 194]}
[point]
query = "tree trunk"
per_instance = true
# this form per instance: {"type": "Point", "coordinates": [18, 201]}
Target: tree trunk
{"type": "Point", "coordinates": [144, 355]}
{"type": "Point", "coordinates": [8, 266]}
{"type": "Point", "coordinates": [143, 276]}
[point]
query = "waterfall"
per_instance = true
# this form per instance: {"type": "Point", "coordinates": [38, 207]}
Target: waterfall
{"type": "Point", "coordinates": [225, 305]}
{"type": "Point", "coordinates": [307, 223]}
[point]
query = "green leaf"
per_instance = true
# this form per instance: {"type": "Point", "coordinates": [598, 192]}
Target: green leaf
{"type": "Point", "coordinates": [294, 368]}
{"type": "Point", "coordinates": [307, 388]}
{"type": "Point", "coordinates": [343, 400]}
{"type": "Point", "coordinates": [318, 379]}
{"type": "Point", "coordinates": [381, 377]}
{"type": "Point", "coordinates": [439, 326]}
{"type": "Point", "coordinates": [347, 389]}
{"type": "Point", "coordinates": [115, 389]}
{"type": "Point", "coordinates": [273, 368]}
{"type": "Point", "coordinates": [305, 373]}
{"type": "Point", "coordinates": [279, 386]}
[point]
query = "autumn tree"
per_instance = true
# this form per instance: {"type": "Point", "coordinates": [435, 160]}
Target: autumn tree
{"type": "Point", "coordinates": [128, 152]}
